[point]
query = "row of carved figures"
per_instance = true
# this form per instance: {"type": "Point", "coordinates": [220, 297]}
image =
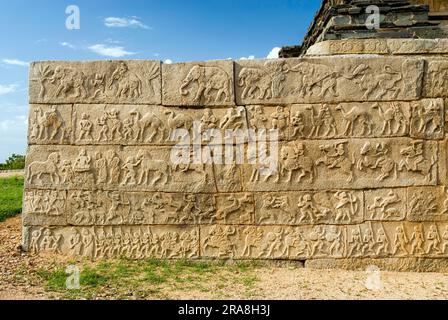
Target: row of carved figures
{"type": "Point", "coordinates": [206, 83]}
{"type": "Point", "coordinates": [142, 169]}
{"type": "Point", "coordinates": [115, 208]}
{"type": "Point", "coordinates": [249, 242]}
{"type": "Point", "coordinates": [159, 126]}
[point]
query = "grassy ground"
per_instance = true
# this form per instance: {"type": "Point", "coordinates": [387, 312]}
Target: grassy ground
{"type": "Point", "coordinates": [11, 190]}
{"type": "Point", "coordinates": [152, 279]}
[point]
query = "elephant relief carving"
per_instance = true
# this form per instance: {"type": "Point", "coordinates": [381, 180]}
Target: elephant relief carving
{"type": "Point", "coordinates": [213, 84]}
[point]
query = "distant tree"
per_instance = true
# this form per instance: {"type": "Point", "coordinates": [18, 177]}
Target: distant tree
{"type": "Point", "coordinates": [14, 162]}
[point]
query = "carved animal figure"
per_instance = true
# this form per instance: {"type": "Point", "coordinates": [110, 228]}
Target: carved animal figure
{"type": "Point", "coordinates": [38, 169]}
{"type": "Point", "coordinates": [161, 169]}
{"type": "Point", "coordinates": [179, 121]}
{"type": "Point", "coordinates": [334, 157]}
{"type": "Point", "coordinates": [377, 158]}
{"type": "Point", "coordinates": [49, 123]}
{"type": "Point", "coordinates": [207, 79]}
{"type": "Point", "coordinates": [293, 159]}
{"type": "Point", "coordinates": [388, 117]}
{"type": "Point", "coordinates": [385, 84]}
{"type": "Point", "coordinates": [149, 120]}
{"type": "Point", "coordinates": [128, 84]}
{"type": "Point", "coordinates": [68, 80]}
{"type": "Point", "coordinates": [423, 166]}
{"type": "Point", "coordinates": [253, 80]}
{"type": "Point", "coordinates": [350, 118]}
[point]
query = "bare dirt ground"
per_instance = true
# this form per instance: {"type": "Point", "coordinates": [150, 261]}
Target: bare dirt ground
{"type": "Point", "coordinates": [18, 280]}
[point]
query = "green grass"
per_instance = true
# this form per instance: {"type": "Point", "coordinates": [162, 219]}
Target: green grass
{"type": "Point", "coordinates": [11, 191]}
{"type": "Point", "coordinates": [148, 279]}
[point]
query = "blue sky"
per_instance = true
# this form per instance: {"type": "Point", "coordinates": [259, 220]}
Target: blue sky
{"type": "Point", "coordinates": [176, 30]}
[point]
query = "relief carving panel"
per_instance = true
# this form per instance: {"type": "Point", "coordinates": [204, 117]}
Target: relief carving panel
{"type": "Point", "coordinates": [334, 79]}
{"type": "Point", "coordinates": [136, 82]}
{"type": "Point", "coordinates": [198, 84]}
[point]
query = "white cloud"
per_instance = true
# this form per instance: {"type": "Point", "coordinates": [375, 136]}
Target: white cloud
{"type": "Point", "coordinates": [110, 51]}
{"type": "Point", "coordinates": [13, 123]}
{"type": "Point", "coordinates": [168, 61]}
{"type": "Point", "coordinates": [68, 45]}
{"type": "Point", "coordinates": [15, 62]}
{"type": "Point", "coordinates": [133, 22]}
{"type": "Point", "coordinates": [10, 88]}
{"type": "Point", "coordinates": [274, 53]}
{"type": "Point", "coordinates": [251, 57]}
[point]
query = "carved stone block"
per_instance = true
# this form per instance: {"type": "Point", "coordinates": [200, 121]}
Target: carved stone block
{"type": "Point", "coordinates": [308, 208]}
{"type": "Point", "coordinates": [198, 84]}
{"type": "Point", "coordinates": [50, 124]}
{"type": "Point", "coordinates": [114, 168]}
{"type": "Point", "coordinates": [436, 78]}
{"type": "Point", "coordinates": [136, 82]}
{"type": "Point", "coordinates": [44, 207]}
{"type": "Point", "coordinates": [163, 242]}
{"type": "Point", "coordinates": [347, 164]}
{"type": "Point", "coordinates": [334, 79]}
{"type": "Point", "coordinates": [155, 125]}
{"type": "Point", "coordinates": [386, 204]}
{"type": "Point", "coordinates": [427, 204]}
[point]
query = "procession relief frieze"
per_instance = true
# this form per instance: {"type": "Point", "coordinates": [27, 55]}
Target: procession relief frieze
{"type": "Point", "coordinates": [114, 168]}
{"type": "Point", "coordinates": [136, 82]}
{"type": "Point", "coordinates": [156, 125]}
{"type": "Point", "coordinates": [367, 240]}
{"type": "Point", "coordinates": [347, 164]}
{"type": "Point", "coordinates": [328, 79]}
{"type": "Point", "coordinates": [163, 242]}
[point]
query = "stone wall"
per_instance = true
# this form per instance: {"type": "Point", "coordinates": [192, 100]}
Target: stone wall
{"type": "Point", "coordinates": [361, 158]}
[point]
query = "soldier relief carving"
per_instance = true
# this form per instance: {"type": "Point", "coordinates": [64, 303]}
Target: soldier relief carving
{"type": "Point", "coordinates": [360, 171]}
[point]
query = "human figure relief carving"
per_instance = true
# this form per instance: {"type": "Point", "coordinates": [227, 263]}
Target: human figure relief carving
{"type": "Point", "coordinates": [220, 241]}
{"type": "Point", "coordinates": [44, 240]}
{"type": "Point", "coordinates": [310, 208]}
{"type": "Point", "coordinates": [394, 121]}
{"type": "Point", "coordinates": [356, 116]}
{"type": "Point", "coordinates": [322, 119]}
{"type": "Point", "coordinates": [48, 125]}
{"type": "Point", "coordinates": [377, 158]}
{"type": "Point", "coordinates": [335, 158]}
{"type": "Point", "coordinates": [414, 161]}
{"type": "Point", "coordinates": [47, 203]}
{"type": "Point", "coordinates": [386, 204]}
{"type": "Point", "coordinates": [427, 119]}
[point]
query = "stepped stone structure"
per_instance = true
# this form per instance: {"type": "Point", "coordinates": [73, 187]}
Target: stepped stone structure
{"type": "Point", "coordinates": [360, 176]}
